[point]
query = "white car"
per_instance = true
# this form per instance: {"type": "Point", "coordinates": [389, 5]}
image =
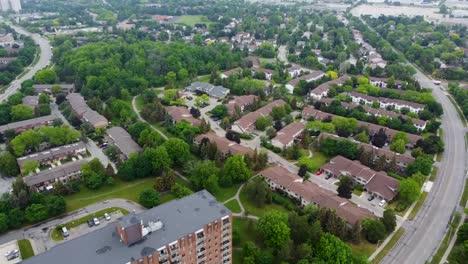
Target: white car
{"type": "Point", "coordinates": [382, 203]}
{"type": "Point", "coordinates": [436, 82]}
{"type": "Point", "coordinates": [107, 216]}
{"type": "Point", "coordinates": [96, 221]}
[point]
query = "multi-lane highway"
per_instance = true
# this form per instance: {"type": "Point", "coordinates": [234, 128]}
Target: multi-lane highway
{"type": "Point", "coordinates": [45, 57]}
{"type": "Point", "coordinates": [425, 232]}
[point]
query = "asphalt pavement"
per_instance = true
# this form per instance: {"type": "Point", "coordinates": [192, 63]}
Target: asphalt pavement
{"type": "Point", "coordinates": [45, 57]}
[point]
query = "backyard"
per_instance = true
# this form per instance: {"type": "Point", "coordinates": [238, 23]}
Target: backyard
{"type": "Point", "coordinates": [193, 20]}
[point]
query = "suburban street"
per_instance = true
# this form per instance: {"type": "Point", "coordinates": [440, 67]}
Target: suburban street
{"type": "Point", "coordinates": [39, 234]}
{"type": "Point", "coordinates": [425, 232]}
{"type": "Point", "coordinates": [45, 57]}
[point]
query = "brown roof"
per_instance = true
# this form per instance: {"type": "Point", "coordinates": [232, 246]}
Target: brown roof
{"type": "Point", "coordinates": [54, 173]}
{"type": "Point", "coordinates": [123, 140]}
{"type": "Point", "coordinates": [39, 121]}
{"type": "Point", "coordinates": [289, 133]}
{"type": "Point", "coordinates": [81, 108]}
{"type": "Point", "coordinates": [312, 193]}
{"type": "Point", "coordinates": [377, 182]}
{"type": "Point", "coordinates": [179, 113]}
{"type": "Point", "coordinates": [51, 153]}
{"type": "Point", "coordinates": [241, 101]}
{"type": "Point", "coordinates": [309, 112]}
{"type": "Point", "coordinates": [224, 145]}
{"type": "Point", "coordinates": [232, 71]}
{"type": "Point", "coordinates": [246, 123]}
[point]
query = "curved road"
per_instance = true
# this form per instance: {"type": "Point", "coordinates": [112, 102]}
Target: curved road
{"type": "Point", "coordinates": [45, 57]}
{"type": "Point", "coordinates": [425, 232]}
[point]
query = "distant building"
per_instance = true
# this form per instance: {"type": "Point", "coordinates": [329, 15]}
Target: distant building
{"type": "Point", "coordinates": [6, 5]}
{"type": "Point", "coordinates": [195, 229]}
{"type": "Point", "coordinates": [240, 102]}
{"type": "Point", "coordinates": [123, 141]}
{"type": "Point", "coordinates": [28, 124]}
{"type": "Point", "coordinates": [7, 40]}
{"type": "Point", "coordinates": [313, 76]}
{"type": "Point", "coordinates": [246, 124]}
{"type": "Point", "coordinates": [66, 88]}
{"type": "Point", "coordinates": [84, 112]}
{"type": "Point", "coordinates": [31, 101]}
{"type": "Point", "coordinates": [225, 146]}
{"type": "Point", "coordinates": [179, 113]}
{"type": "Point", "coordinates": [286, 136]}
{"type": "Point", "coordinates": [209, 89]}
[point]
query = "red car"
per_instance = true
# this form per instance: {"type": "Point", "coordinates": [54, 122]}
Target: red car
{"type": "Point", "coordinates": [319, 172]}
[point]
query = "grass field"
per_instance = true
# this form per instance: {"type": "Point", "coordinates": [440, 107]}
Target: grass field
{"type": "Point", "coordinates": [225, 193]}
{"type": "Point", "coordinates": [56, 233]}
{"type": "Point", "coordinates": [252, 209]}
{"type": "Point", "coordinates": [313, 164]}
{"type": "Point", "coordinates": [25, 248]}
{"type": "Point", "coordinates": [192, 20]}
{"type": "Point", "coordinates": [464, 195]}
{"type": "Point", "coordinates": [363, 249]}
{"type": "Point", "coordinates": [434, 173]}
{"type": "Point", "coordinates": [246, 229]}
{"type": "Point", "coordinates": [389, 246]}
{"type": "Point", "coordinates": [121, 189]}
{"type": "Point", "coordinates": [234, 206]}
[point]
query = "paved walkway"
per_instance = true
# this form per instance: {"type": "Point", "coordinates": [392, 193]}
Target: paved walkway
{"type": "Point", "coordinates": [135, 109]}
{"type": "Point", "coordinates": [242, 213]}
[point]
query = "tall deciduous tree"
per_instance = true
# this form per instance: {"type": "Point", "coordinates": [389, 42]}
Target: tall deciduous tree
{"type": "Point", "coordinates": [331, 249]}
{"type": "Point", "coordinates": [273, 226]}
{"type": "Point", "coordinates": [345, 189]}
{"type": "Point", "coordinates": [235, 170]}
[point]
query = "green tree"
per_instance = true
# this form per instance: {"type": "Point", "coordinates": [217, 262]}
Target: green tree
{"type": "Point", "coordinates": [331, 249]}
{"type": "Point", "coordinates": [171, 79]}
{"type": "Point", "coordinates": [160, 159]}
{"type": "Point", "coordinates": [178, 151]}
{"type": "Point", "coordinates": [30, 166]}
{"type": "Point", "coordinates": [273, 226]}
{"type": "Point", "coordinates": [345, 188]}
{"type": "Point", "coordinates": [36, 212]}
{"type": "Point", "coordinates": [278, 112]}
{"type": "Point", "coordinates": [204, 175]}
{"type": "Point", "coordinates": [56, 205]}
{"type": "Point", "coordinates": [220, 111]}
{"type": "Point", "coordinates": [409, 190]}
{"type": "Point", "coordinates": [15, 217]}
{"type": "Point", "coordinates": [374, 229]}
{"type": "Point", "coordinates": [398, 146]}
{"type": "Point", "coordinates": [8, 165]}
{"type": "Point", "coordinates": [262, 123]}
{"type": "Point", "coordinates": [3, 222]}
{"type": "Point", "coordinates": [389, 220]}
{"type": "Point", "coordinates": [235, 170]}
{"type": "Point", "coordinates": [149, 198]}
{"type": "Point", "coordinates": [345, 126]}
{"type": "Point", "coordinates": [180, 190]}
{"type": "Point", "coordinates": [21, 112]}
{"type": "Point", "coordinates": [202, 100]}
{"type": "Point", "coordinates": [45, 76]}
{"type": "Point", "coordinates": [362, 137]}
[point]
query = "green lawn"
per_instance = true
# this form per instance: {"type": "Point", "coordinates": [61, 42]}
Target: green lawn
{"type": "Point", "coordinates": [56, 233]}
{"type": "Point", "coordinates": [246, 229]}
{"type": "Point", "coordinates": [139, 103]}
{"type": "Point", "coordinates": [418, 206]}
{"type": "Point", "coordinates": [204, 78]}
{"type": "Point", "coordinates": [192, 20]}
{"type": "Point", "coordinates": [121, 189]}
{"type": "Point", "coordinates": [434, 173]}
{"type": "Point", "coordinates": [25, 248]}
{"type": "Point", "coordinates": [357, 192]}
{"type": "Point", "coordinates": [234, 206]}
{"type": "Point", "coordinates": [389, 246]}
{"type": "Point", "coordinates": [363, 249]}
{"type": "Point", "coordinates": [313, 164]}
{"type": "Point", "coordinates": [465, 194]}
{"type": "Point", "coordinates": [252, 209]}
{"type": "Point", "coordinates": [225, 193]}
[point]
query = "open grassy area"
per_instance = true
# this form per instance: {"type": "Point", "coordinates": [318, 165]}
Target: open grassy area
{"type": "Point", "coordinates": [252, 209]}
{"type": "Point", "coordinates": [234, 206]}
{"type": "Point", "coordinates": [121, 189]}
{"type": "Point", "coordinates": [192, 20]}
{"type": "Point", "coordinates": [245, 228]}
{"type": "Point", "coordinates": [363, 249]}
{"type": "Point", "coordinates": [225, 193]}
{"type": "Point", "coordinates": [389, 246]}
{"type": "Point", "coordinates": [459, 112]}
{"type": "Point", "coordinates": [446, 241]}
{"type": "Point", "coordinates": [204, 78]}
{"type": "Point", "coordinates": [56, 233]}
{"type": "Point", "coordinates": [139, 102]}
{"type": "Point", "coordinates": [434, 173]}
{"type": "Point", "coordinates": [314, 163]}
{"type": "Point", "coordinates": [25, 248]}
{"type": "Point", "coordinates": [418, 205]}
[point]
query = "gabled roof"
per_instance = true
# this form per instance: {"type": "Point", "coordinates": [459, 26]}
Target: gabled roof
{"type": "Point", "coordinates": [123, 141]}
{"type": "Point", "coordinates": [224, 145]}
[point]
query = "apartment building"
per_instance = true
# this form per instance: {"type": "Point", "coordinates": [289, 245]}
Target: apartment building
{"type": "Point", "coordinates": [65, 88]}
{"type": "Point", "coordinates": [321, 91]}
{"type": "Point", "coordinates": [306, 192]}
{"type": "Point", "coordinates": [179, 113]}
{"type": "Point", "coordinates": [287, 135]}
{"type": "Point", "coordinates": [313, 76]}
{"type": "Point", "coordinates": [209, 89]}
{"type": "Point", "coordinates": [195, 229]}
{"type": "Point", "coordinates": [123, 141]}
{"type": "Point", "coordinates": [360, 98]}
{"type": "Point", "coordinates": [240, 102]}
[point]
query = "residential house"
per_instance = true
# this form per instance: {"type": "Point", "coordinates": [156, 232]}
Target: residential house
{"type": "Point", "coordinates": [44, 180]}
{"type": "Point", "coordinates": [322, 90]}
{"type": "Point", "coordinates": [287, 135]}
{"type": "Point", "coordinates": [31, 101]}
{"type": "Point", "coordinates": [4, 61]}
{"type": "Point", "coordinates": [378, 184]}
{"type": "Point", "coordinates": [120, 138]}
{"type": "Point", "coordinates": [240, 102]}
{"type": "Point", "coordinates": [55, 154]}
{"type": "Point", "coordinates": [7, 40]}
{"type": "Point", "coordinates": [226, 74]}
{"type": "Point", "coordinates": [84, 112]}
{"type": "Point", "coordinates": [360, 98]}
{"type": "Point", "coordinates": [209, 89]}
{"type": "Point", "coordinates": [225, 147]}
{"type": "Point", "coordinates": [178, 113]}
{"type": "Point", "coordinates": [294, 71]}
{"type": "Point", "coordinates": [306, 192]}
{"type": "Point", "coordinates": [28, 124]}
{"type": "Point", "coordinates": [246, 124]}
{"type": "Point", "coordinates": [313, 76]}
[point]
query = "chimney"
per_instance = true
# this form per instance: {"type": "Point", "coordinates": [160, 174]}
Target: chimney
{"type": "Point", "coordinates": [130, 229]}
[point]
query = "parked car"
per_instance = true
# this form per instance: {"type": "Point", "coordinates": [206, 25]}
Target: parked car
{"type": "Point", "coordinates": [382, 203]}
{"type": "Point", "coordinates": [319, 172]}
{"type": "Point", "coordinates": [189, 98]}
{"type": "Point", "coordinates": [328, 177]}
{"type": "Point", "coordinates": [65, 232]}
{"type": "Point", "coordinates": [96, 221]}
{"type": "Point", "coordinates": [436, 82]}
{"type": "Point", "coordinates": [370, 198]}
{"type": "Point", "coordinates": [90, 223]}
{"type": "Point", "coordinates": [12, 254]}
{"type": "Point", "coordinates": [107, 216]}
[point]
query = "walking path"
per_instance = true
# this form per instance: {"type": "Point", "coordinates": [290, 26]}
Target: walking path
{"type": "Point", "coordinates": [135, 109]}
{"type": "Point", "coordinates": [242, 213]}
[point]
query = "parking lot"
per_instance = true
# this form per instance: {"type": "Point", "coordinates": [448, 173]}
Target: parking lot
{"type": "Point", "coordinates": [5, 249]}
